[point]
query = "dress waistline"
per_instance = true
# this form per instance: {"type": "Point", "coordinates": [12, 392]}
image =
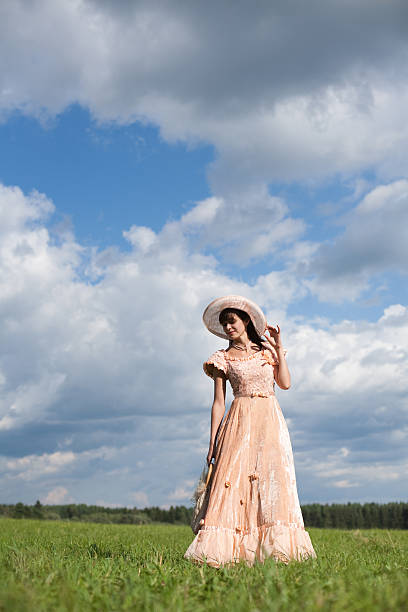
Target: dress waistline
{"type": "Point", "coordinates": [265, 395]}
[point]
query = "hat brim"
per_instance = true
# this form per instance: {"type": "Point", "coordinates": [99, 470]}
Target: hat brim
{"type": "Point", "coordinates": [212, 312]}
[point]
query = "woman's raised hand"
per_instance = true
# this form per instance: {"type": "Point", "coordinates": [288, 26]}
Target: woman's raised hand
{"type": "Point", "coordinates": [274, 337]}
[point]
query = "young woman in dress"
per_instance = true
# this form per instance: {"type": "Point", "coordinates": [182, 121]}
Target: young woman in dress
{"type": "Point", "coordinates": [251, 508]}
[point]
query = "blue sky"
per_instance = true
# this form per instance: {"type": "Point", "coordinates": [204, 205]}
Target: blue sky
{"type": "Point", "coordinates": [162, 163]}
{"type": "Point", "coordinates": [104, 178]}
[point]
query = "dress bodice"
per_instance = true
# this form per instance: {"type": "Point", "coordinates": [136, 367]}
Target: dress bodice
{"type": "Point", "coordinates": [249, 376]}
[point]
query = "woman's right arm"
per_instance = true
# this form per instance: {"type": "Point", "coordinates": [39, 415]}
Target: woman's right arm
{"type": "Point", "coordinates": [217, 412]}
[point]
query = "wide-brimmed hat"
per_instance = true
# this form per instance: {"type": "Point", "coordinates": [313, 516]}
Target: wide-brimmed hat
{"type": "Point", "coordinates": [213, 310]}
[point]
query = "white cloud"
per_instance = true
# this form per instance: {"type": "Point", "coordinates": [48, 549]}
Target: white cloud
{"type": "Point", "coordinates": [85, 336]}
{"type": "Point", "coordinates": [58, 495]}
{"type": "Point", "coordinates": [29, 397]}
{"type": "Point", "coordinates": [280, 94]}
{"type": "Point", "coordinates": [345, 484]}
{"type": "Point", "coordinates": [348, 355]}
{"type": "Point", "coordinates": [114, 368]}
{"type": "Point", "coordinates": [33, 466]}
{"type": "Point", "coordinates": [17, 211]}
{"type": "Point", "coordinates": [140, 499]}
{"type": "Point", "coordinates": [181, 495]}
{"type": "Point", "coordinates": [243, 226]}
{"type": "Point", "coordinates": [141, 238]}
{"type": "Point", "coordinates": [365, 473]}
{"type": "Point", "coordinates": [373, 242]}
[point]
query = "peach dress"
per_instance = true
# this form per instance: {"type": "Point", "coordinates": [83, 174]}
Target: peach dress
{"type": "Point", "coordinates": [251, 509]}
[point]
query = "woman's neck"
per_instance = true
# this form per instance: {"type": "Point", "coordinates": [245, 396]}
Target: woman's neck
{"type": "Point", "coordinates": [243, 340]}
{"type": "Point", "coordinates": [243, 343]}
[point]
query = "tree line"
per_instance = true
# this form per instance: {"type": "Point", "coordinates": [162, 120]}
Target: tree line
{"type": "Point", "coordinates": [393, 515]}
{"type": "Point", "coordinates": [98, 514]}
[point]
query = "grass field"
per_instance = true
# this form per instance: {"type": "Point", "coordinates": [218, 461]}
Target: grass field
{"type": "Point", "coordinates": [82, 566]}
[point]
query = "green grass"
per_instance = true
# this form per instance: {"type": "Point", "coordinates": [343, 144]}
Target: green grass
{"type": "Point", "coordinates": [62, 566]}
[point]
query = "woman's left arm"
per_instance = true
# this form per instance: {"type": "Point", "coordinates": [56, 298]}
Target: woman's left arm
{"type": "Point", "coordinates": [281, 370]}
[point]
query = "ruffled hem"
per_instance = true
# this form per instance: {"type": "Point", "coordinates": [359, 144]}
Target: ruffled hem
{"type": "Point", "coordinates": [217, 546]}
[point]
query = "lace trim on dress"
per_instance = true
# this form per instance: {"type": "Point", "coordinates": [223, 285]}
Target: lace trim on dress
{"type": "Point", "coordinates": [247, 358]}
{"type": "Point", "coordinates": [268, 354]}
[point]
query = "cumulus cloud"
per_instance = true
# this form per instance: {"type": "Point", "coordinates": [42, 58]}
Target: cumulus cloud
{"type": "Point", "coordinates": [56, 496]}
{"type": "Point", "coordinates": [101, 384]}
{"type": "Point", "coordinates": [140, 498]}
{"type": "Point", "coordinates": [287, 91]}
{"type": "Point", "coordinates": [33, 467]}
{"type": "Point", "coordinates": [242, 227]}
{"type": "Point", "coordinates": [373, 242]}
{"type": "Point", "coordinates": [87, 335]}
{"type": "Point", "coordinates": [182, 495]}
{"type": "Point", "coordinates": [283, 93]}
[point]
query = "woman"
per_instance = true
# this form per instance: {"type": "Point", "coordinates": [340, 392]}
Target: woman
{"type": "Point", "coordinates": [251, 509]}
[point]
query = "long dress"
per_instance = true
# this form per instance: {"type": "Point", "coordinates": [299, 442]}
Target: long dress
{"type": "Point", "coordinates": [251, 509]}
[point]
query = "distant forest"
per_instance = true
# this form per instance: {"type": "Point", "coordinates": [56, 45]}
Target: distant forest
{"type": "Point", "coordinates": [342, 516]}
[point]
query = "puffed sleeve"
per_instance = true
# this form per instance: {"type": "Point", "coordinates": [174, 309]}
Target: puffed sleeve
{"type": "Point", "coordinates": [216, 361]}
{"type": "Point", "coordinates": [271, 355]}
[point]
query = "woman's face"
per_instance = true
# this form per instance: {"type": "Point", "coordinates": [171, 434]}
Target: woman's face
{"type": "Point", "coordinates": [234, 327]}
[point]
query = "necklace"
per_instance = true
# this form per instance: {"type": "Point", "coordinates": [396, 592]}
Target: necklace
{"type": "Point", "coordinates": [246, 348]}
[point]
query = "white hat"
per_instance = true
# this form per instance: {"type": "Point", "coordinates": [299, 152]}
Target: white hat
{"type": "Point", "coordinates": [213, 310]}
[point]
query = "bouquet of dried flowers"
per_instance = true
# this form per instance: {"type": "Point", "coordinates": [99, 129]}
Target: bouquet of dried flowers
{"type": "Point", "coordinates": [200, 498]}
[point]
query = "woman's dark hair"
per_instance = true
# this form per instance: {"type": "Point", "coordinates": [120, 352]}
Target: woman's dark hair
{"type": "Point", "coordinates": [226, 317]}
